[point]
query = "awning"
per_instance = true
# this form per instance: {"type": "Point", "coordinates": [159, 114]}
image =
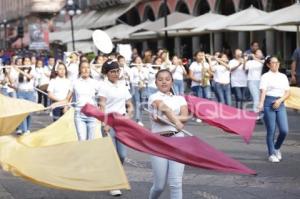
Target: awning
{"type": "Point", "coordinates": [46, 5]}
{"type": "Point", "coordinates": [118, 32]}
{"type": "Point", "coordinates": [83, 46]}
{"type": "Point", "coordinates": [200, 21]}
{"type": "Point", "coordinates": [155, 27]}
{"type": "Point", "coordinates": [109, 16]}
{"type": "Point", "coordinates": [66, 36]}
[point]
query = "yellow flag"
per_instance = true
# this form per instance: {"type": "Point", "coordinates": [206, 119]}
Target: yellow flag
{"type": "Point", "coordinates": [293, 101]}
{"type": "Point", "coordinates": [53, 157]}
{"type": "Point", "coordinates": [13, 112]}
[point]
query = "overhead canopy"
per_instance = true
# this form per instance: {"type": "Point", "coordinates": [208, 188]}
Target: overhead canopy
{"type": "Point", "coordinates": [46, 5]}
{"type": "Point", "coordinates": [118, 31]}
{"type": "Point", "coordinates": [200, 21]}
{"type": "Point", "coordinates": [83, 46]}
{"type": "Point", "coordinates": [66, 36]}
{"type": "Point", "coordinates": [153, 29]}
{"type": "Point", "coordinates": [243, 17]}
{"type": "Point", "coordinates": [109, 16]}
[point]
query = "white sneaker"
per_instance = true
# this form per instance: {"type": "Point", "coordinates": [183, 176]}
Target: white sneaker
{"type": "Point", "coordinates": [19, 132]}
{"type": "Point", "coordinates": [198, 120]}
{"type": "Point", "coordinates": [278, 154]}
{"type": "Point", "coordinates": [26, 133]}
{"type": "Point", "coordinates": [273, 158]}
{"type": "Point", "coordinates": [115, 192]}
{"type": "Point", "coordinates": [140, 123]}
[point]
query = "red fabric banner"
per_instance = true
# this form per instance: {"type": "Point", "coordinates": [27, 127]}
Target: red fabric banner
{"type": "Point", "coordinates": [228, 118]}
{"type": "Point", "coordinates": [188, 150]}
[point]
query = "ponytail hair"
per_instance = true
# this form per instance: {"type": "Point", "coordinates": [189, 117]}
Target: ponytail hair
{"type": "Point", "coordinates": [266, 63]}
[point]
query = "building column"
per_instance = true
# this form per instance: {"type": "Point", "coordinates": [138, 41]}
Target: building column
{"type": "Point", "coordinates": [195, 44]}
{"type": "Point", "coordinates": [270, 42]}
{"type": "Point", "coordinates": [242, 42]}
{"type": "Point", "coordinates": [177, 44]}
{"type": "Point", "coordinates": [160, 43]}
{"type": "Point", "coordinates": [217, 41]}
{"type": "Point", "coordinates": [145, 45]}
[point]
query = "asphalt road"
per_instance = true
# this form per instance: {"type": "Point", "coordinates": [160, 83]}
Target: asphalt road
{"type": "Point", "coordinates": [274, 181]}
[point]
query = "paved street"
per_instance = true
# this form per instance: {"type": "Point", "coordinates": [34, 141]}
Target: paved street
{"type": "Point", "coordinates": [274, 181]}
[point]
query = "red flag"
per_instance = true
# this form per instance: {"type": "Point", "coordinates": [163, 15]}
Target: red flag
{"type": "Point", "coordinates": [230, 119]}
{"type": "Point", "coordinates": [188, 150]}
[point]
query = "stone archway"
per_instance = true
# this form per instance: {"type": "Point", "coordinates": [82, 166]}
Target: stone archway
{"type": "Point", "coordinates": [149, 14]}
{"type": "Point", "coordinates": [182, 7]}
{"type": "Point", "coordinates": [244, 4]}
{"type": "Point", "coordinates": [201, 7]}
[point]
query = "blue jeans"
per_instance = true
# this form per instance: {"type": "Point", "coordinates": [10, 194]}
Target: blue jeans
{"type": "Point", "coordinates": [85, 126]}
{"type": "Point", "coordinates": [57, 113]}
{"type": "Point", "coordinates": [223, 93]}
{"type": "Point", "coordinates": [30, 96]}
{"type": "Point", "coordinates": [3, 91]}
{"type": "Point", "coordinates": [253, 86]}
{"type": "Point", "coordinates": [151, 91]}
{"type": "Point", "coordinates": [139, 96]}
{"type": "Point", "coordinates": [121, 150]}
{"type": "Point", "coordinates": [178, 86]}
{"type": "Point", "coordinates": [201, 91]}
{"type": "Point", "coordinates": [239, 93]}
{"type": "Point", "coordinates": [273, 117]}
{"type": "Point", "coordinates": [163, 170]}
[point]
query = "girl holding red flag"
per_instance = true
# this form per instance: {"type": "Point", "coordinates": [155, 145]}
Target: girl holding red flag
{"type": "Point", "coordinates": [175, 109]}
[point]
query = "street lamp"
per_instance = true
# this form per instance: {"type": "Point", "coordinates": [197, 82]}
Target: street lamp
{"type": "Point", "coordinates": [5, 25]}
{"type": "Point", "coordinates": [72, 9]}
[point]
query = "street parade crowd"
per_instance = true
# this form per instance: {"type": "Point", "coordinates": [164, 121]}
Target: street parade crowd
{"type": "Point", "coordinates": [157, 82]}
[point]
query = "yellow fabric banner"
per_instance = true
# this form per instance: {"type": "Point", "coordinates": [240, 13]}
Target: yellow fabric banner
{"type": "Point", "coordinates": [293, 101]}
{"type": "Point", "coordinates": [53, 157]}
{"type": "Point", "coordinates": [13, 112]}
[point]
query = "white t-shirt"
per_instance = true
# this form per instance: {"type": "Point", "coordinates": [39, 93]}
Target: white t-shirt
{"type": "Point", "coordinates": [96, 73]}
{"type": "Point", "coordinates": [221, 74]}
{"type": "Point", "coordinates": [151, 77]}
{"type": "Point", "coordinates": [275, 84]}
{"type": "Point", "coordinates": [238, 76]}
{"type": "Point", "coordinates": [42, 77]}
{"type": "Point", "coordinates": [73, 71]}
{"type": "Point", "coordinates": [137, 76]}
{"type": "Point", "coordinates": [174, 102]}
{"type": "Point", "coordinates": [178, 73]}
{"type": "Point", "coordinates": [116, 96]}
{"type": "Point", "coordinates": [254, 69]}
{"type": "Point", "coordinates": [125, 74]}
{"type": "Point", "coordinates": [60, 87]}
{"type": "Point", "coordinates": [27, 85]}
{"type": "Point", "coordinates": [85, 91]}
{"type": "Point", "coordinates": [196, 68]}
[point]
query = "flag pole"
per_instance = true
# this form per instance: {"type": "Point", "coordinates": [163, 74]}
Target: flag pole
{"type": "Point", "coordinates": [168, 122]}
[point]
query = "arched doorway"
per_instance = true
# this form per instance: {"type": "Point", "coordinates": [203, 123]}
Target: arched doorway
{"type": "Point", "coordinates": [226, 7]}
{"type": "Point", "coordinates": [201, 7]}
{"type": "Point", "coordinates": [244, 4]}
{"type": "Point", "coordinates": [131, 17]}
{"type": "Point", "coordinates": [161, 11]}
{"type": "Point", "coordinates": [183, 49]}
{"type": "Point", "coordinates": [182, 7]}
{"type": "Point", "coordinates": [148, 14]}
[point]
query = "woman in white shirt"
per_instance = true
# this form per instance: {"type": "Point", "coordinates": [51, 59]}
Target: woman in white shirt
{"type": "Point", "coordinates": [85, 90]}
{"type": "Point", "coordinates": [222, 79]}
{"type": "Point", "coordinates": [199, 72]}
{"type": "Point", "coordinates": [115, 97]}
{"type": "Point", "coordinates": [178, 71]}
{"type": "Point", "coordinates": [139, 81]}
{"type": "Point", "coordinates": [152, 70]}
{"type": "Point", "coordinates": [238, 77]}
{"type": "Point", "coordinates": [254, 68]}
{"type": "Point", "coordinates": [59, 89]}
{"type": "Point", "coordinates": [174, 108]}
{"type": "Point", "coordinates": [42, 81]}
{"type": "Point", "coordinates": [25, 90]}
{"type": "Point", "coordinates": [274, 88]}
